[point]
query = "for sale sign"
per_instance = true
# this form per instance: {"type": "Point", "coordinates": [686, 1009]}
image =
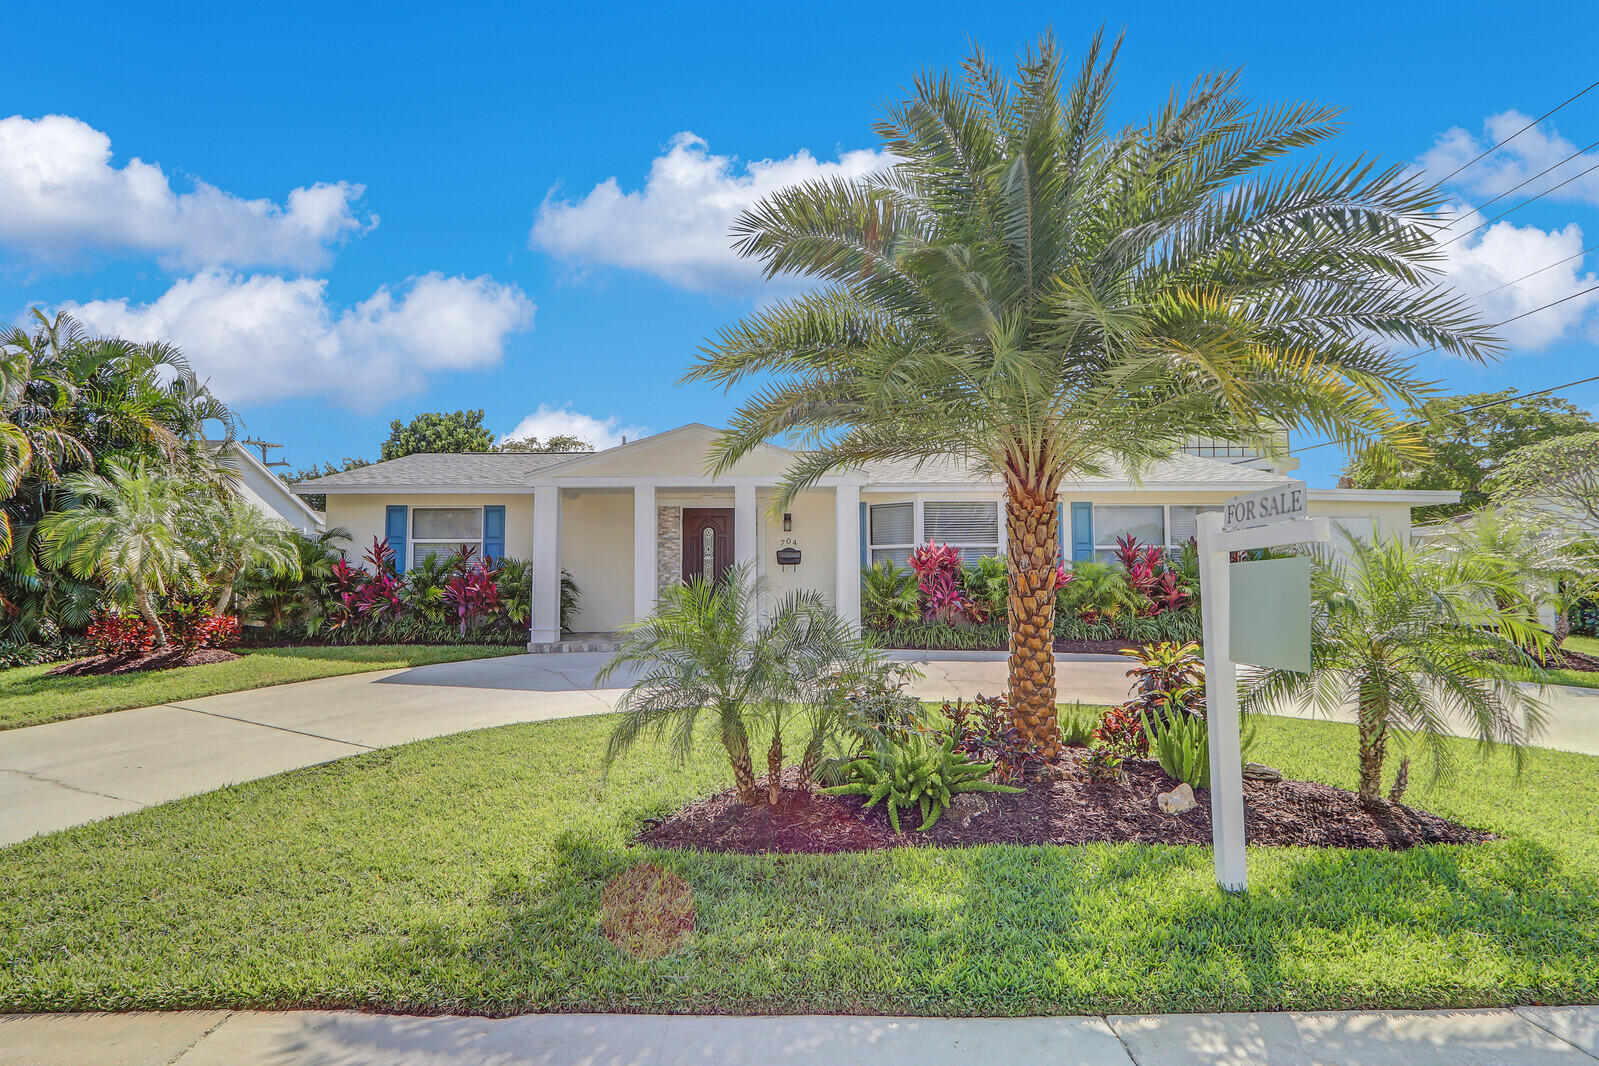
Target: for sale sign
{"type": "Point", "coordinates": [1276, 504]}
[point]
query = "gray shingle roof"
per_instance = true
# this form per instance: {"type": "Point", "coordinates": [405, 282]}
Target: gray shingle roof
{"type": "Point", "coordinates": [1181, 469]}
{"type": "Point", "coordinates": [446, 469]}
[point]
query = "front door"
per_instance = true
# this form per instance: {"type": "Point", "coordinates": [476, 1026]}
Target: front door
{"type": "Point", "coordinates": [707, 542]}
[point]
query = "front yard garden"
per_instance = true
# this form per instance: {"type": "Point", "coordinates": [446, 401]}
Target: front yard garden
{"type": "Point", "coordinates": [465, 874]}
{"type": "Point", "coordinates": [30, 696]}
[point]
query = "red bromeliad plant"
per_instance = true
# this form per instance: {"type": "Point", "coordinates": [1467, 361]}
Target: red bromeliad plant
{"type": "Point", "coordinates": [937, 568]}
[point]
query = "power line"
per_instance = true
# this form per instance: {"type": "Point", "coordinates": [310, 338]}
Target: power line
{"type": "Point", "coordinates": [1518, 207]}
{"type": "Point", "coordinates": [1555, 166]}
{"type": "Point", "coordinates": [1494, 148]}
{"type": "Point", "coordinates": [1434, 348]}
{"type": "Point", "coordinates": [1540, 270]}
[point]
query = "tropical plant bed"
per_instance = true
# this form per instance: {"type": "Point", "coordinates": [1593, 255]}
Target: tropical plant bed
{"type": "Point", "coordinates": [1061, 805]}
{"type": "Point", "coordinates": [160, 659]}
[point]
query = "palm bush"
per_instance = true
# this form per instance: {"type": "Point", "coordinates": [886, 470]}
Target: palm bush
{"type": "Point", "coordinates": [889, 595]}
{"type": "Point", "coordinates": [1408, 635]}
{"type": "Point", "coordinates": [127, 529]}
{"type": "Point", "coordinates": [1045, 296]}
{"type": "Point", "coordinates": [233, 536]}
{"type": "Point", "coordinates": [706, 650]}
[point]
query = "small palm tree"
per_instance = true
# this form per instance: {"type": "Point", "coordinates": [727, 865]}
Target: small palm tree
{"type": "Point", "coordinates": [704, 650]}
{"type": "Point", "coordinates": [127, 528]}
{"type": "Point", "coordinates": [236, 537]}
{"type": "Point", "coordinates": [1047, 296]}
{"type": "Point", "coordinates": [1409, 636]}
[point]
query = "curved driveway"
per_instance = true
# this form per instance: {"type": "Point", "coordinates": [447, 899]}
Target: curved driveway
{"type": "Point", "coordinates": [58, 775]}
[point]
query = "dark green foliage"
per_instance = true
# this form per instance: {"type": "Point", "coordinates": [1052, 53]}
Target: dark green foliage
{"type": "Point", "coordinates": [437, 431]}
{"type": "Point", "coordinates": [985, 582]}
{"type": "Point", "coordinates": [916, 774]}
{"type": "Point", "coordinates": [942, 635]}
{"type": "Point", "coordinates": [889, 595]}
{"type": "Point", "coordinates": [1181, 743]}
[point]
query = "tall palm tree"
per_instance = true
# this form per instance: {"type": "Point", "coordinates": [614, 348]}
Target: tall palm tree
{"type": "Point", "coordinates": [1407, 635]}
{"type": "Point", "coordinates": [706, 649]}
{"type": "Point", "coordinates": [1045, 298]}
{"type": "Point", "coordinates": [127, 528]}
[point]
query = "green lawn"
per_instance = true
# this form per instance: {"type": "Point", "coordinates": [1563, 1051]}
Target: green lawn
{"type": "Point", "coordinates": [28, 697]}
{"type": "Point", "coordinates": [464, 874]}
{"type": "Point", "coordinates": [1578, 678]}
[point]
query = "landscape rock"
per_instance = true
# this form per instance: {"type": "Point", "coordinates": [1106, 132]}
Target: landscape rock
{"type": "Point", "coordinates": [1259, 771]}
{"type": "Point", "coordinates": [966, 806]}
{"type": "Point", "coordinates": [1178, 800]}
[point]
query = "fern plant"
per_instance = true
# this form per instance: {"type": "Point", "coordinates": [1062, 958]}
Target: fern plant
{"type": "Point", "coordinates": [889, 595]}
{"type": "Point", "coordinates": [914, 773]}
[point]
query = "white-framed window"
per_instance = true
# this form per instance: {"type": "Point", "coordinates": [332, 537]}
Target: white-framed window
{"type": "Point", "coordinates": [891, 532]}
{"type": "Point", "coordinates": [441, 530]}
{"type": "Point", "coordinates": [1168, 525]}
{"type": "Point", "coordinates": [972, 527]}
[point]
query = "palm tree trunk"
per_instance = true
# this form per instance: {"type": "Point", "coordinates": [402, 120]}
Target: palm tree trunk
{"type": "Point", "coordinates": [774, 766]}
{"type": "Point", "coordinates": [141, 599]}
{"type": "Point", "coordinates": [738, 753]}
{"type": "Point", "coordinates": [1373, 728]}
{"type": "Point", "coordinates": [225, 596]}
{"type": "Point", "coordinates": [1031, 533]}
{"type": "Point", "coordinates": [811, 760]}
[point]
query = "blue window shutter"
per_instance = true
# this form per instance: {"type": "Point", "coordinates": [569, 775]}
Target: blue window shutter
{"type": "Point", "coordinates": [1082, 531]}
{"type": "Point", "coordinates": [494, 532]}
{"type": "Point", "coordinates": [866, 555]}
{"type": "Point", "coordinates": [394, 530]}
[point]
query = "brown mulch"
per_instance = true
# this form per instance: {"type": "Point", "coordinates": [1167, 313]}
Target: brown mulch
{"type": "Point", "coordinates": [1097, 647]}
{"type": "Point", "coordinates": [1570, 659]}
{"type": "Point", "coordinates": [103, 665]}
{"type": "Point", "coordinates": [1062, 805]}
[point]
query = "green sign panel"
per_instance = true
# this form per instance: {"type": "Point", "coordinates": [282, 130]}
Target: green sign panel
{"type": "Point", "coordinates": [1270, 616]}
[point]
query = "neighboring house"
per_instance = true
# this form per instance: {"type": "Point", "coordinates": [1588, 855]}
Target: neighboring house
{"type": "Point", "coordinates": [267, 492]}
{"type": "Point", "coordinates": [628, 521]}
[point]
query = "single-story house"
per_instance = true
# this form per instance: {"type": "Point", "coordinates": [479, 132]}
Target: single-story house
{"type": "Point", "coordinates": [628, 521]}
{"type": "Point", "coordinates": [259, 487]}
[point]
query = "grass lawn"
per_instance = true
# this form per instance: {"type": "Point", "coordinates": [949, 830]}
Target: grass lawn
{"type": "Point", "coordinates": [1578, 678]}
{"type": "Point", "coordinates": [28, 697]}
{"type": "Point", "coordinates": [464, 874]}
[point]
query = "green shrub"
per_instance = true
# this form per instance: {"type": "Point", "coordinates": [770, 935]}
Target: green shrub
{"type": "Point", "coordinates": [941, 636]}
{"type": "Point", "coordinates": [889, 595]}
{"type": "Point", "coordinates": [1181, 743]}
{"type": "Point", "coordinates": [914, 773]}
{"type": "Point", "coordinates": [1076, 726]}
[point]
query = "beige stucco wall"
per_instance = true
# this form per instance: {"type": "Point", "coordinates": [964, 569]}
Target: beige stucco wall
{"type": "Point", "coordinates": [1362, 519]}
{"type": "Point", "coordinates": [364, 515]}
{"type": "Point", "coordinates": [597, 550]}
{"type": "Point", "coordinates": [813, 534]}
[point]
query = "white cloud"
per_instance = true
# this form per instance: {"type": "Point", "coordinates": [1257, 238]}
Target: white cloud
{"type": "Point", "coordinates": [1529, 154]}
{"type": "Point", "coordinates": [676, 227]}
{"type": "Point", "coordinates": [603, 433]}
{"type": "Point", "coordinates": [60, 194]}
{"type": "Point", "coordinates": [265, 337]}
{"type": "Point", "coordinates": [1483, 263]}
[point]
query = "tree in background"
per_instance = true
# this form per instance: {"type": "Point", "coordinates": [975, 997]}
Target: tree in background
{"type": "Point", "coordinates": [1466, 441]}
{"type": "Point", "coordinates": [1041, 293]}
{"type": "Point", "coordinates": [437, 431]}
{"type": "Point", "coordinates": [556, 442]}
{"type": "Point", "coordinates": [318, 501]}
{"type": "Point", "coordinates": [1558, 475]}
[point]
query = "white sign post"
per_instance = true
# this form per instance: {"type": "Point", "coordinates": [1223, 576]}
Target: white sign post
{"type": "Point", "coordinates": [1269, 519]}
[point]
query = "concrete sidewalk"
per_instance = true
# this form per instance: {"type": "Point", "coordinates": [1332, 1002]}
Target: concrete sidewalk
{"type": "Point", "coordinates": [1535, 1036]}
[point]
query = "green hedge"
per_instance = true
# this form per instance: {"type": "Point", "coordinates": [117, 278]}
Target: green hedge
{"type": "Point", "coordinates": [1137, 629]}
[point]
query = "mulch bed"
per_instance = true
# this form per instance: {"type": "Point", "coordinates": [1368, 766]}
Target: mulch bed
{"type": "Point", "coordinates": [1097, 647]}
{"type": "Point", "coordinates": [104, 665]}
{"type": "Point", "coordinates": [1062, 805]}
{"type": "Point", "coordinates": [1568, 659]}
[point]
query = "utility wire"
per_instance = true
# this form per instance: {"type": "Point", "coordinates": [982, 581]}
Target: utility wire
{"type": "Point", "coordinates": [1434, 348]}
{"type": "Point", "coordinates": [1518, 207]}
{"type": "Point", "coordinates": [1540, 270]}
{"type": "Point", "coordinates": [1494, 148]}
{"type": "Point", "coordinates": [1521, 184]}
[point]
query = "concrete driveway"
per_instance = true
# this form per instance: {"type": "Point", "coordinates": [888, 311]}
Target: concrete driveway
{"type": "Point", "coordinates": [59, 775]}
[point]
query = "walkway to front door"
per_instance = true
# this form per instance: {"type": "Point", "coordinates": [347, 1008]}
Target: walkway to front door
{"type": "Point", "coordinates": [707, 542]}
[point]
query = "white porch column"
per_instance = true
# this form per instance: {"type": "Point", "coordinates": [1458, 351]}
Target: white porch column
{"type": "Point", "coordinates": [644, 522]}
{"type": "Point", "coordinates": [847, 561]}
{"type": "Point", "coordinates": [546, 627]}
{"type": "Point", "coordinates": [744, 516]}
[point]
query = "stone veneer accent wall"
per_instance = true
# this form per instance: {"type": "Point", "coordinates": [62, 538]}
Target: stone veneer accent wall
{"type": "Point", "coordinates": [668, 547]}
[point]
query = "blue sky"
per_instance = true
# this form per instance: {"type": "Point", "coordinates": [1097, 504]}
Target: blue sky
{"type": "Point", "coordinates": [349, 216]}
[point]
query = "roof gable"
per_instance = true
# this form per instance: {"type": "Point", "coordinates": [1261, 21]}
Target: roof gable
{"type": "Point", "coordinates": [682, 452]}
